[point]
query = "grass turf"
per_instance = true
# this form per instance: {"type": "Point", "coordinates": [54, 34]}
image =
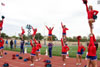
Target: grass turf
{"type": "Point", "coordinates": [56, 51]}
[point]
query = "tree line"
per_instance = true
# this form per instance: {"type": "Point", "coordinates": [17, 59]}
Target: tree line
{"type": "Point", "coordinates": [39, 36]}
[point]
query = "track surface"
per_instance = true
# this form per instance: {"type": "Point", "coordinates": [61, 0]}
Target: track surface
{"type": "Point", "coordinates": [56, 61]}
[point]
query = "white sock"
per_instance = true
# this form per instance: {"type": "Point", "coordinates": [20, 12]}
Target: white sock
{"type": "Point", "coordinates": [64, 64]}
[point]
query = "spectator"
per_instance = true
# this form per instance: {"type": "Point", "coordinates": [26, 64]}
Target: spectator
{"type": "Point", "coordinates": [6, 42]}
{"type": "Point", "coordinates": [15, 43]}
{"type": "Point", "coordinates": [22, 46]}
{"type": "Point", "coordinates": [11, 44]}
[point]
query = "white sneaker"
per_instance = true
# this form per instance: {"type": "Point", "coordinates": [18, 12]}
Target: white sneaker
{"type": "Point", "coordinates": [64, 64]}
{"type": "Point", "coordinates": [39, 58]}
{"type": "Point", "coordinates": [67, 57]}
{"type": "Point", "coordinates": [36, 60]}
{"type": "Point", "coordinates": [31, 64]}
{"type": "Point", "coordinates": [77, 63]}
{"type": "Point", "coordinates": [1, 57]}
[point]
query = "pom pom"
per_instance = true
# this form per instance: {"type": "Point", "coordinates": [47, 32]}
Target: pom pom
{"type": "Point", "coordinates": [5, 65]}
{"type": "Point", "coordinates": [5, 53]}
{"type": "Point", "coordinates": [3, 17]}
{"type": "Point", "coordinates": [94, 16]}
{"type": "Point", "coordinates": [28, 58]}
{"type": "Point", "coordinates": [25, 60]}
{"type": "Point", "coordinates": [20, 58]}
{"type": "Point", "coordinates": [13, 56]}
{"type": "Point", "coordinates": [17, 55]}
{"type": "Point", "coordinates": [85, 1]}
{"type": "Point", "coordinates": [79, 37]}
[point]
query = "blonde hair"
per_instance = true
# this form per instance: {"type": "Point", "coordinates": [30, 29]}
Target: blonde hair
{"type": "Point", "coordinates": [90, 7]}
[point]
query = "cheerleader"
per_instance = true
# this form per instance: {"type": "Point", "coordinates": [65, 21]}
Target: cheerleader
{"type": "Point", "coordinates": [80, 51]}
{"type": "Point", "coordinates": [50, 32]}
{"type": "Point", "coordinates": [65, 48]}
{"type": "Point", "coordinates": [91, 56]}
{"type": "Point", "coordinates": [23, 31]}
{"type": "Point", "coordinates": [34, 32]}
{"type": "Point", "coordinates": [64, 30]}
{"type": "Point", "coordinates": [33, 52]}
{"type": "Point", "coordinates": [38, 46]}
{"type": "Point", "coordinates": [1, 47]}
{"type": "Point", "coordinates": [1, 24]}
{"type": "Point", "coordinates": [92, 15]}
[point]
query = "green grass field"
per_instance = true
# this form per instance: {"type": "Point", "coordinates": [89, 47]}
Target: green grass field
{"type": "Point", "coordinates": [57, 51]}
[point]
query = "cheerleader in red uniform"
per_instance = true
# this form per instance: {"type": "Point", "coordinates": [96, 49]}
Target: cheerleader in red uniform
{"type": "Point", "coordinates": [1, 47]}
{"type": "Point", "coordinates": [23, 31]}
{"type": "Point", "coordinates": [91, 56]}
{"type": "Point", "coordinates": [65, 48]}
{"type": "Point", "coordinates": [92, 15]}
{"type": "Point", "coordinates": [80, 51]}
{"type": "Point", "coordinates": [50, 32]}
{"type": "Point", "coordinates": [33, 52]}
{"type": "Point", "coordinates": [34, 32]}
{"type": "Point", "coordinates": [38, 46]}
{"type": "Point", "coordinates": [64, 30]}
{"type": "Point", "coordinates": [1, 24]}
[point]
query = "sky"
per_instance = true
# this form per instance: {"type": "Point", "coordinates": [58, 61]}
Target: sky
{"type": "Point", "coordinates": [39, 13]}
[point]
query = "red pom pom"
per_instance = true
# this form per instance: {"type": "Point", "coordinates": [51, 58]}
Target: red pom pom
{"type": "Point", "coordinates": [79, 37]}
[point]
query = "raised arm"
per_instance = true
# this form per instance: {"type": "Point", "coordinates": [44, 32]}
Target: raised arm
{"type": "Point", "coordinates": [47, 27]}
{"type": "Point", "coordinates": [23, 31]}
{"type": "Point", "coordinates": [78, 42]}
{"type": "Point", "coordinates": [62, 24]}
{"type": "Point", "coordinates": [31, 43]}
{"type": "Point", "coordinates": [40, 46]}
{"type": "Point", "coordinates": [52, 28]}
{"type": "Point", "coordinates": [32, 28]}
{"type": "Point", "coordinates": [86, 7]}
{"type": "Point", "coordinates": [35, 41]}
{"type": "Point", "coordinates": [62, 43]}
{"type": "Point", "coordinates": [79, 38]}
{"type": "Point", "coordinates": [91, 41]}
{"type": "Point", "coordinates": [94, 38]}
{"type": "Point", "coordinates": [96, 12]}
{"type": "Point", "coordinates": [2, 42]}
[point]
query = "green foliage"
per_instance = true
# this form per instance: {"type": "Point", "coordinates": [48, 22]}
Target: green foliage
{"type": "Point", "coordinates": [14, 37]}
{"type": "Point", "coordinates": [25, 37]}
{"type": "Point", "coordinates": [54, 38]}
{"type": "Point", "coordinates": [39, 36]}
{"type": "Point", "coordinates": [74, 39]}
{"type": "Point", "coordinates": [4, 35]}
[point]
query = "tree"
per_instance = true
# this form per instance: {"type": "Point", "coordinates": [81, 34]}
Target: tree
{"type": "Point", "coordinates": [38, 36]}
{"type": "Point", "coordinates": [69, 39]}
{"type": "Point", "coordinates": [98, 38]}
{"type": "Point", "coordinates": [54, 38]}
{"type": "Point", "coordinates": [74, 38]}
{"type": "Point", "coordinates": [4, 35]}
{"type": "Point", "coordinates": [25, 37]}
{"type": "Point", "coordinates": [84, 38]}
{"type": "Point", "coordinates": [14, 37]}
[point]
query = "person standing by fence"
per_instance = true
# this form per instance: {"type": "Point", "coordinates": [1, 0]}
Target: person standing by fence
{"type": "Point", "coordinates": [6, 43]}
{"type": "Point", "coordinates": [15, 43]}
{"type": "Point", "coordinates": [11, 44]}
